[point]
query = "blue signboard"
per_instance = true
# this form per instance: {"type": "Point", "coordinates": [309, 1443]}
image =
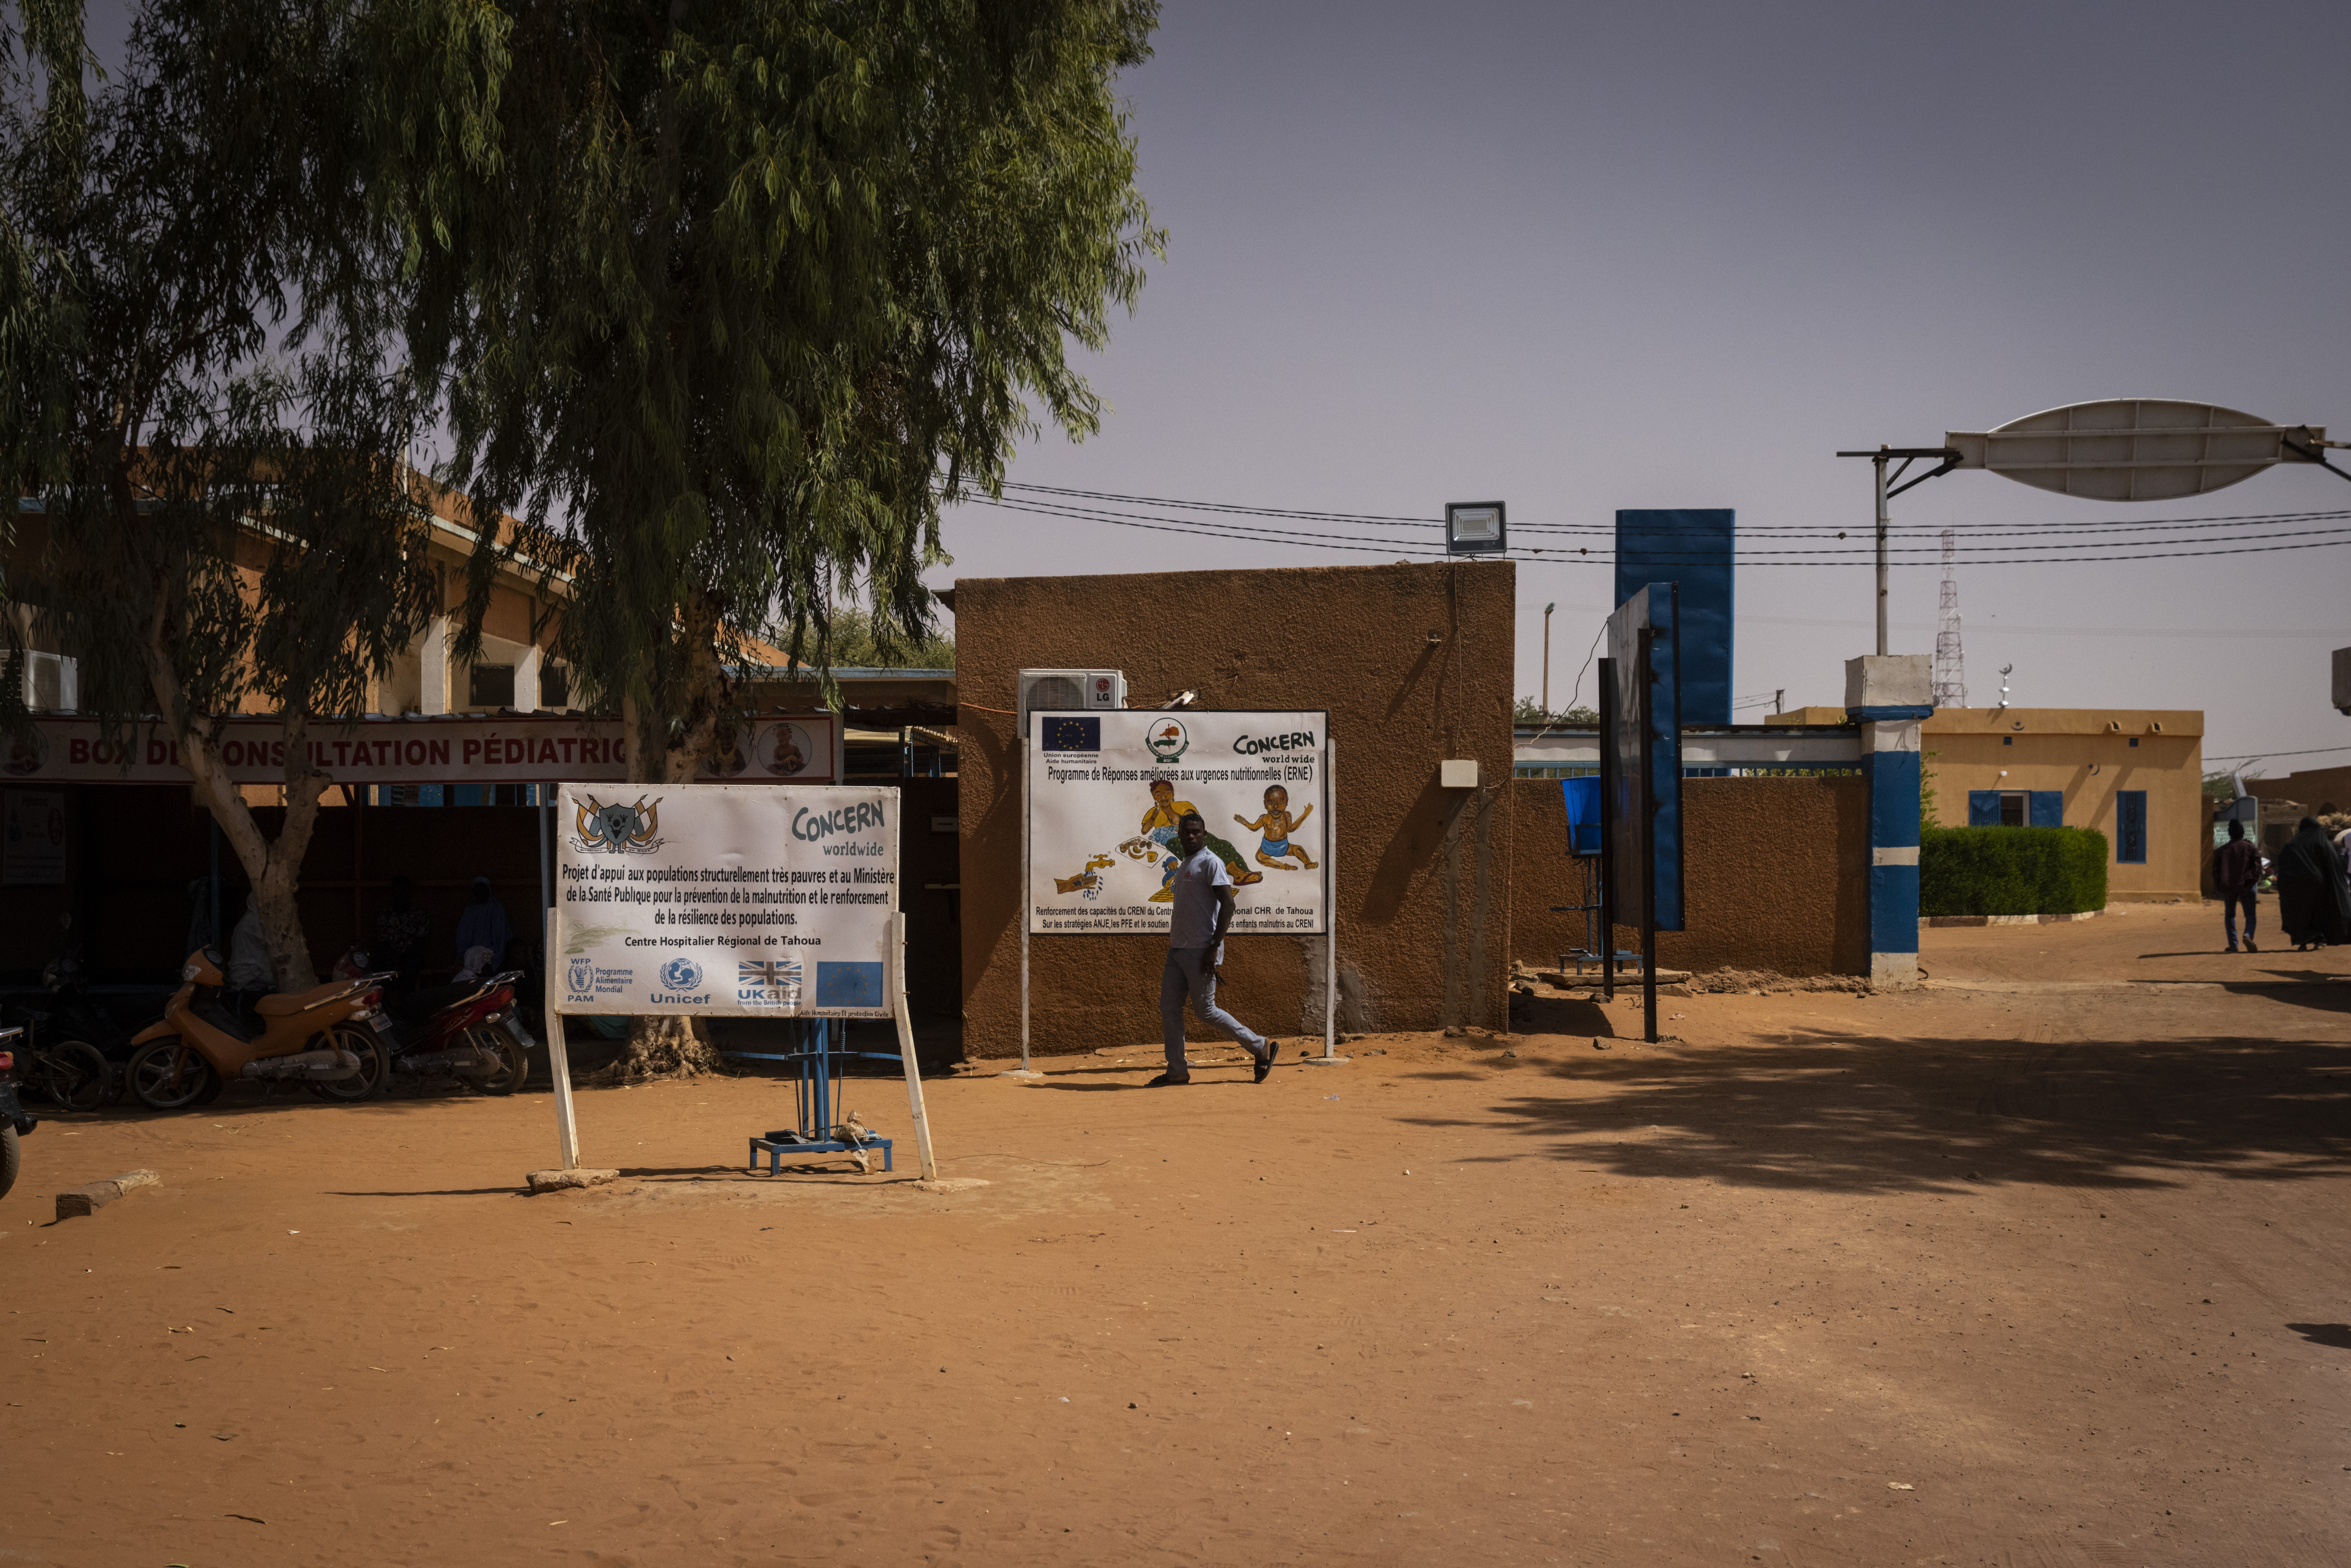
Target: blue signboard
{"type": "Point", "coordinates": [1582, 814]}
{"type": "Point", "coordinates": [1695, 550]}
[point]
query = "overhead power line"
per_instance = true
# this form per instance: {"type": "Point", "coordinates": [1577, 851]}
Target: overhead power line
{"type": "Point", "coordinates": [1538, 555]}
{"type": "Point", "coordinates": [1802, 531]}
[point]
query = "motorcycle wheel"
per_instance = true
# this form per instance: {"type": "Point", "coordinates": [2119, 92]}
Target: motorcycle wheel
{"type": "Point", "coordinates": [514, 1066]}
{"type": "Point", "coordinates": [167, 1075]}
{"type": "Point", "coordinates": [12, 1158]}
{"type": "Point", "coordinates": [375, 1066]}
{"type": "Point", "coordinates": [77, 1075]}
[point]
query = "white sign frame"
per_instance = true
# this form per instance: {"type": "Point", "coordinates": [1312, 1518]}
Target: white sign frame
{"type": "Point", "coordinates": [809, 815]}
{"type": "Point", "coordinates": [1260, 741]}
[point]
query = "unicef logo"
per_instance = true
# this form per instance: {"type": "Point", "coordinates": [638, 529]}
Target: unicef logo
{"type": "Point", "coordinates": [681, 974]}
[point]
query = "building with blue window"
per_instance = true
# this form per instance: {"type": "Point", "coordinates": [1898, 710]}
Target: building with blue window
{"type": "Point", "coordinates": [2135, 775]}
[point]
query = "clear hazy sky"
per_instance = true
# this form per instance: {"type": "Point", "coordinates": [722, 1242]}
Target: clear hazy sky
{"type": "Point", "coordinates": [1583, 257]}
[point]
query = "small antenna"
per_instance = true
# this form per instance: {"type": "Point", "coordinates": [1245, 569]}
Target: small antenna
{"type": "Point", "coordinates": [2004, 670]}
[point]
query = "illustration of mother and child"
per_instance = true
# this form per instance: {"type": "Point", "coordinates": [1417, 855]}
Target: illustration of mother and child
{"type": "Point", "coordinates": [1273, 829]}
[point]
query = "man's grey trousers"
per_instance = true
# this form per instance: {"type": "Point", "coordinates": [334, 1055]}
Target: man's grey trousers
{"type": "Point", "coordinates": [1187, 971]}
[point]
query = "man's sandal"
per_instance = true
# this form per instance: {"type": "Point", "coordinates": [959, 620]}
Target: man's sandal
{"type": "Point", "coordinates": [1265, 1062]}
{"type": "Point", "coordinates": [1165, 1081]}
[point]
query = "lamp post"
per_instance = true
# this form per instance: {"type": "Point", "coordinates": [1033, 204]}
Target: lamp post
{"type": "Point", "coordinates": [1546, 682]}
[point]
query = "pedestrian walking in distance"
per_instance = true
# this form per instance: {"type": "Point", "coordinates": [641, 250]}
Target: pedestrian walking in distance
{"type": "Point", "coordinates": [1195, 945]}
{"type": "Point", "coordinates": [2312, 903]}
{"type": "Point", "coordinates": [2236, 870]}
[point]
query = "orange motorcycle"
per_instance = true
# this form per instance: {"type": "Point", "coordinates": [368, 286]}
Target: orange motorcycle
{"type": "Point", "coordinates": [316, 1036]}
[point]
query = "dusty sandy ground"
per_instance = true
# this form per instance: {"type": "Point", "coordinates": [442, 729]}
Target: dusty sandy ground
{"type": "Point", "coordinates": [2045, 1265]}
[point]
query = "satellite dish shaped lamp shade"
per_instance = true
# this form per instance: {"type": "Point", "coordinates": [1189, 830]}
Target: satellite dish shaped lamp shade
{"type": "Point", "coordinates": [2136, 449]}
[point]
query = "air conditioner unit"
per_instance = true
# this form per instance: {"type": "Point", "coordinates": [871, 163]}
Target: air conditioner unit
{"type": "Point", "coordinates": [51, 682]}
{"type": "Point", "coordinates": [1069, 691]}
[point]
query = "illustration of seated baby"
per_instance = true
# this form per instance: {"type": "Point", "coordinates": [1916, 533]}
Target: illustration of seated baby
{"type": "Point", "coordinates": [1159, 828]}
{"type": "Point", "coordinates": [1275, 827]}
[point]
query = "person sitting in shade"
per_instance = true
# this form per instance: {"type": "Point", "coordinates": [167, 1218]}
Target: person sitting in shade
{"type": "Point", "coordinates": [483, 924]}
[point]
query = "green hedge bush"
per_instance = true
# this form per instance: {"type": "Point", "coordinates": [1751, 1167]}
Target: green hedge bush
{"type": "Point", "coordinates": [2011, 870]}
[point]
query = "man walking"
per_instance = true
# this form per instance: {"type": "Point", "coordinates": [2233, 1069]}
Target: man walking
{"type": "Point", "coordinates": [2236, 868]}
{"type": "Point", "coordinates": [1196, 943]}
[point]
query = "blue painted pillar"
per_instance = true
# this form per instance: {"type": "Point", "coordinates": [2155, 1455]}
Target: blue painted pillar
{"type": "Point", "coordinates": [1887, 696]}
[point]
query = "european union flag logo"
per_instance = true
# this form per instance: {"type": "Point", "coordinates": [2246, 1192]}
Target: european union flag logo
{"type": "Point", "coordinates": [1073, 735]}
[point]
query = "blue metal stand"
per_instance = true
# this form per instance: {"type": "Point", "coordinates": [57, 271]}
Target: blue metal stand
{"type": "Point", "coordinates": [817, 1061]}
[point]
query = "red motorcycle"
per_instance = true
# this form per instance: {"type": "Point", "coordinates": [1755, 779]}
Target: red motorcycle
{"type": "Point", "coordinates": [469, 1032]}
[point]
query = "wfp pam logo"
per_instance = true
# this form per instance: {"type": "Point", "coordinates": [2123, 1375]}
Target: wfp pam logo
{"type": "Point", "coordinates": [1167, 738]}
{"type": "Point", "coordinates": [618, 829]}
{"type": "Point", "coordinates": [681, 974]}
{"type": "Point", "coordinates": [582, 976]}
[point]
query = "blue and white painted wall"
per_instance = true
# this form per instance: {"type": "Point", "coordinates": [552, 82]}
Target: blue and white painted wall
{"type": "Point", "coordinates": [1889, 696]}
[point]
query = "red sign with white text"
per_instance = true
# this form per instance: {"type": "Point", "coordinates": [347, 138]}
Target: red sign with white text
{"type": "Point", "coordinates": [524, 749]}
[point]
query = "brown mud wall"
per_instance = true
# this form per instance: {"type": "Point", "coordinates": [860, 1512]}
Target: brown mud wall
{"type": "Point", "coordinates": [1776, 877]}
{"type": "Point", "coordinates": [1414, 664]}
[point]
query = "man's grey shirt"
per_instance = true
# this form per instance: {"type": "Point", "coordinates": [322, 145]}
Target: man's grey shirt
{"type": "Point", "coordinates": [1197, 881]}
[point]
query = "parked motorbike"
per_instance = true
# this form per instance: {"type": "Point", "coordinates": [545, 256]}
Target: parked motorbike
{"type": "Point", "coordinates": [14, 1122]}
{"type": "Point", "coordinates": [71, 1017]}
{"type": "Point", "coordinates": [316, 1036]}
{"type": "Point", "coordinates": [468, 1031]}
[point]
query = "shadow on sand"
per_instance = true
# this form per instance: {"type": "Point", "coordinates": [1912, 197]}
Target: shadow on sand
{"type": "Point", "coordinates": [1841, 1113]}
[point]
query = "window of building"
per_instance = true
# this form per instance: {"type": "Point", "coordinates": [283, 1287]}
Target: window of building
{"type": "Point", "coordinates": [2013, 807]}
{"type": "Point", "coordinates": [2008, 740]}
{"type": "Point", "coordinates": [553, 686]}
{"type": "Point", "coordinates": [492, 686]}
{"type": "Point", "coordinates": [2133, 741]}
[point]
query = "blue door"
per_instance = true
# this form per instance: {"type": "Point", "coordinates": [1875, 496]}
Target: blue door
{"type": "Point", "coordinates": [2130, 826]}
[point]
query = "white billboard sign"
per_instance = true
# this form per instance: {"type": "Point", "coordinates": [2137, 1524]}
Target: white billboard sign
{"type": "Point", "coordinates": [747, 900]}
{"type": "Point", "coordinates": [1105, 791]}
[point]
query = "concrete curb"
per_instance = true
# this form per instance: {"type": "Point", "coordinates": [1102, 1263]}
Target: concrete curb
{"type": "Point", "coordinates": [564, 1181]}
{"type": "Point", "coordinates": [77, 1202]}
{"type": "Point", "coordinates": [2009, 919]}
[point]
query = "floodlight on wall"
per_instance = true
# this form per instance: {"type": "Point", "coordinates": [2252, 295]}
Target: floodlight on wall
{"type": "Point", "coordinates": [1475, 528]}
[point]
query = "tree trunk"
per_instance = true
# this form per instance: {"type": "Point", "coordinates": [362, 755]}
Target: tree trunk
{"type": "Point", "coordinates": [670, 1045]}
{"type": "Point", "coordinates": [274, 868]}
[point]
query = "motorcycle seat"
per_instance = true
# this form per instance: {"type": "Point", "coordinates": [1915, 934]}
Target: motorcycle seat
{"type": "Point", "coordinates": [418, 1005]}
{"type": "Point", "coordinates": [277, 1004]}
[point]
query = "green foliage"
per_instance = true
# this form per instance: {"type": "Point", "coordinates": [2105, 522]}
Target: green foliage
{"type": "Point", "coordinates": [2011, 870]}
{"type": "Point", "coordinates": [227, 514]}
{"type": "Point", "coordinates": [859, 641]}
{"type": "Point", "coordinates": [1927, 789]}
{"type": "Point", "coordinates": [1530, 711]}
{"type": "Point", "coordinates": [732, 296]}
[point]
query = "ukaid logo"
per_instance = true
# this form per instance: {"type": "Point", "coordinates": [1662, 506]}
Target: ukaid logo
{"type": "Point", "coordinates": [768, 983]}
{"type": "Point", "coordinates": [581, 977]}
{"type": "Point", "coordinates": [679, 977]}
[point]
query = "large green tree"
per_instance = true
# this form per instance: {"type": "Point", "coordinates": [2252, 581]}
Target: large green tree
{"type": "Point", "coordinates": [732, 294]}
{"type": "Point", "coordinates": [193, 385]}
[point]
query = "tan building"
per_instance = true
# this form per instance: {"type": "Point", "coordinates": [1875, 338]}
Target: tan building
{"type": "Point", "coordinates": [2135, 775]}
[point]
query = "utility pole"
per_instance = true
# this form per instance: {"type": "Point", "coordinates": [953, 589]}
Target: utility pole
{"type": "Point", "coordinates": [1888, 486]}
{"type": "Point", "coordinates": [1546, 680]}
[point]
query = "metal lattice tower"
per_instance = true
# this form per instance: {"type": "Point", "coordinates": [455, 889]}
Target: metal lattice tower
{"type": "Point", "coordinates": [1950, 664]}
